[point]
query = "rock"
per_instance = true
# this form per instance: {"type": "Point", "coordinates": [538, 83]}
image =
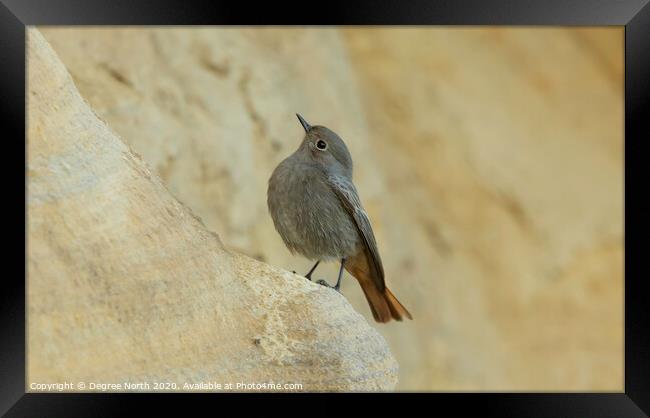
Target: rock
{"type": "Point", "coordinates": [489, 161]}
{"type": "Point", "coordinates": [127, 285]}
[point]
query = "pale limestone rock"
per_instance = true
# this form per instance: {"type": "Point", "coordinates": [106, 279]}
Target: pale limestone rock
{"type": "Point", "coordinates": [126, 285]}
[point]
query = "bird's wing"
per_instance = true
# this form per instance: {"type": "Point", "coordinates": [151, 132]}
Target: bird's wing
{"type": "Point", "coordinates": [347, 194]}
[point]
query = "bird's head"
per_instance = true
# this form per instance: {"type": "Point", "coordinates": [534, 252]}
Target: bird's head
{"type": "Point", "coordinates": [325, 148]}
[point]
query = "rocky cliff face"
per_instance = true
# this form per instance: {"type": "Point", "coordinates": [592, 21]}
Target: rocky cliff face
{"type": "Point", "coordinates": [489, 160]}
{"type": "Point", "coordinates": [127, 285]}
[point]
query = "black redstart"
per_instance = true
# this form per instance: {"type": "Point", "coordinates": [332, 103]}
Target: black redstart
{"type": "Point", "coordinates": [317, 212]}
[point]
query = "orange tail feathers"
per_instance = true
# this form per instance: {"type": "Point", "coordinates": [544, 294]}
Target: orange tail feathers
{"type": "Point", "coordinates": [384, 306]}
{"type": "Point", "coordinates": [397, 310]}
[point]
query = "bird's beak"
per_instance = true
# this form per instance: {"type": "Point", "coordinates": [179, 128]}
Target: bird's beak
{"type": "Point", "coordinates": [304, 123]}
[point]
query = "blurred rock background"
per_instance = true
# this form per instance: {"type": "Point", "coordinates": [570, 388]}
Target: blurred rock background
{"type": "Point", "coordinates": [489, 160]}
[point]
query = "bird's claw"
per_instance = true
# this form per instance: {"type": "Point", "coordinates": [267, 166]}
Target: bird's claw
{"type": "Point", "coordinates": [306, 277]}
{"type": "Point", "coordinates": [324, 283]}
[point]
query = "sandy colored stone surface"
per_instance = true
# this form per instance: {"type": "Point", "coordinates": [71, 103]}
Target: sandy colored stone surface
{"type": "Point", "coordinates": [127, 285]}
{"type": "Point", "coordinates": [489, 161]}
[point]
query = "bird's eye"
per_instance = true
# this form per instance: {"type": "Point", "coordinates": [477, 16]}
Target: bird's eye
{"type": "Point", "coordinates": [321, 145]}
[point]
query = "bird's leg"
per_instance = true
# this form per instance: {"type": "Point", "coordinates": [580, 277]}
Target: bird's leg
{"type": "Point", "coordinates": [338, 281]}
{"type": "Point", "coordinates": [308, 275]}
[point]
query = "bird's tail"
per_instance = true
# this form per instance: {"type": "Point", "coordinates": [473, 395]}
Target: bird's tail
{"type": "Point", "coordinates": [384, 305]}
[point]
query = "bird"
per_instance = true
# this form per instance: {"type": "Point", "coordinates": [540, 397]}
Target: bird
{"type": "Point", "coordinates": [317, 212]}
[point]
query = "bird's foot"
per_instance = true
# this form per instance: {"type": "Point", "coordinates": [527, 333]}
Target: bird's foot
{"type": "Point", "coordinates": [324, 283]}
{"type": "Point", "coordinates": [308, 277]}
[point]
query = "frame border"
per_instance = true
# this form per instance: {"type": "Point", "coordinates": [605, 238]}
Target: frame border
{"type": "Point", "coordinates": [15, 15]}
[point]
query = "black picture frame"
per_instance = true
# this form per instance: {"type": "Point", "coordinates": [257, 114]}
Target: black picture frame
{"type": "Point", "coordinates": [634, 15]}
